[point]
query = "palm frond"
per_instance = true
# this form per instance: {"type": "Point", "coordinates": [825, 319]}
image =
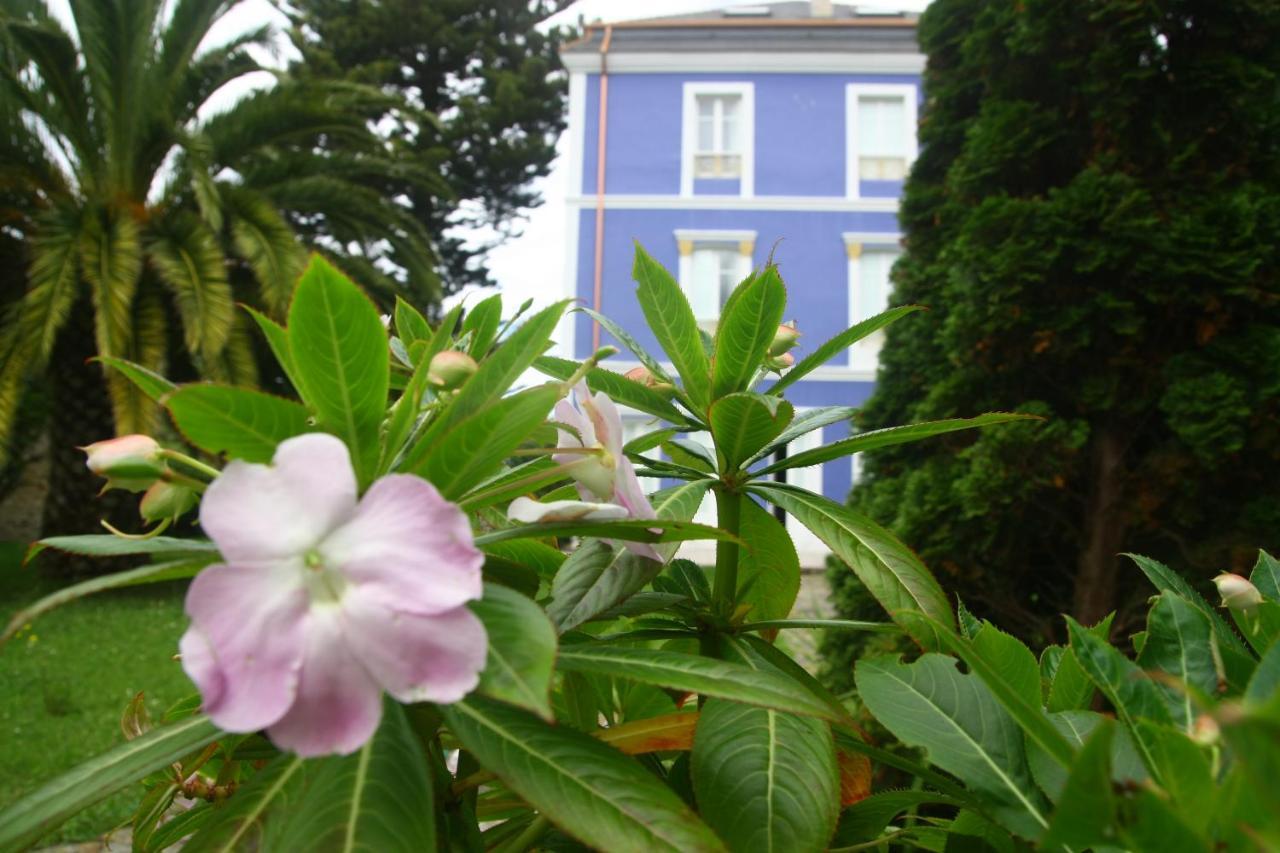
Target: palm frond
{"type": "Point", "coordinates": [236, 364]}
{"type": "Point", "coordinates": [134, 411]}
{"type": "Point", "coordinates": [264, 240]}
{"type": "Point", "coordinates": [54, 279]}
{"type": "Point", "coordinates": [185, 254]}
{"type": "Point", "coordinates": [111, 263]}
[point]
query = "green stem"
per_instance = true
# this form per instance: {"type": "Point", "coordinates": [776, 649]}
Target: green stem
{"type": "Point", "coordinates": [187, 461]}
{"type": "Point", "coordinates": [528, 838]}
{"type": "Point", "coordinates": [829, 624]}
{"type": "Point", "coordinates": [724, 592]}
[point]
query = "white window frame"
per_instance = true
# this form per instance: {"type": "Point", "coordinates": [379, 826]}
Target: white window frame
{"type": "Point", "coordinates": [852, 92]}
{"type": "Point", "coordinates": [806, 541]}
{"type": "Point", "coordinates": [685, 271]}
{"type": "Point", "coordinates": [864, 241]}
{"type": "Point", "coordinates": [689, 132]}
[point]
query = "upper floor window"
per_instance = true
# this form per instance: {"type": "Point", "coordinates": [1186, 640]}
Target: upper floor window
{"type": "Point", "coordinates": [719, 150]}
{"type": "Point", "coordinates": [718, 139]}
{"type": "Point", "coordinates": [711, 265]}
{"type": "Point", "coordinates": [871, 257]}
{"type": "Point", "coordinates": [881, 133]}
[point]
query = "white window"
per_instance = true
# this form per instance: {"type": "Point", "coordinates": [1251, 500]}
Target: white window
{"type": "Point", "coordinates": [712, 263]}
{"type": "Point", "coordinates": [718, 138]}
{"type": "Point", "coordinates": [871, 257]}
{"type": "Point", "coordinates": [881, 133]}
{"type": "Point", "coordinates": [806, 478]}
{"type": "Point", "coordinates": [706, 513]}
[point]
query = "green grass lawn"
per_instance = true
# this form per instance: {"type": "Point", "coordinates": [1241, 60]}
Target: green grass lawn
{"type": "Point", "coordinates": [65, 680]}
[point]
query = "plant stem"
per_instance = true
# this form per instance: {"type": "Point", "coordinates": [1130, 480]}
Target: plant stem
{"type": "Point", "coordinates": [528, 838]}
{"type": "Point", "coordinates": [193, 464]}
{"type": "Point", "coordinates": [724, 592]}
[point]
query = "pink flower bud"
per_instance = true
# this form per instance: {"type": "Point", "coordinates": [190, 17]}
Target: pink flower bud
{"type": "Point", "coordinates": [450, 369]}
{"type": "Point", "coordinates": [646, 378]}
{"type": "Point", "coordinates": [1237, 593]}
{"type": "Point", "coordinates": [131, 462]}
{"type": "Point", "coordinates": [165, 500]}
{"type": "Point", "coordinates": [781, 362]}
{"type": "Point", "coordinates": [784, 339]}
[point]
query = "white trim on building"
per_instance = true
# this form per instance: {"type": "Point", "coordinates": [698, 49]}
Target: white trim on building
{"type": "Point", "coordinates": [576, 141]}
{"type": "Point", "coordinates": [689, 132]}
{"type": "Point", "coordinates": [864, 356]}
{"type": "Point", "coordinates": [747, 62]}
{"type": "Point", "coordinates": [825, 373]}
{"type": "Point", "coordinates": [729, 202]}
{"type": "Point", "coordinates": [852, 93]}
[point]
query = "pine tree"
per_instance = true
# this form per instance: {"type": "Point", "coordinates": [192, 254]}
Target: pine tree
{"type": "Point", "coordinates": [1094, 220]}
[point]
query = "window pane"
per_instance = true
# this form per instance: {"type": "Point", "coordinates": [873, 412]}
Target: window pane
{"type": "Point", "coordinates": [882, 125]}
{"type": "Point", "coordinates": [873, 282]}
{"type": "Point", "coordinates": [728, 274]}
{"type": "Point", "coordinates": [704, 290]}
{"type": "Point", "coordinates": [731, 128]}
{"type": "Point", "coordinates": [706, 133]}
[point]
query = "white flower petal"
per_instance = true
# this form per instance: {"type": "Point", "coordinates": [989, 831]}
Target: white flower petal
{"type": "Point", "coordinates": [529, 511]}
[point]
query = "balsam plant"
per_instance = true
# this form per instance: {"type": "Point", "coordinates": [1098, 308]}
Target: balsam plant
{"type": "Point", "coordinates": [626, 700]}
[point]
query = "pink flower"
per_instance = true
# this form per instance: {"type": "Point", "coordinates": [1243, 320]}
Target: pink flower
{"type": "Point", "coordinates": [606, 474]}
{"type": "Point", "coordinates": [529, 511]}
{"type": "Point", "coordinates": [324, 602]}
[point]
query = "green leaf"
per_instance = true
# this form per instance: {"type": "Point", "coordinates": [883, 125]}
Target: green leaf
{"type": "Point", "coordinates": [1180, 643]}
{"type": "Point", "coordinates": [595, 579]}
{"type": "Point", "coordinates": [1266, 576]}
{"type": "Point", "coordinates": [1264, 686]}
{"type": "Point", "coordinates": [1069, 686]}
{"type": "Point", "coordinates": [106, 545]}
{"type": "Point", "coordinates": [476, 447]}
{"type": "Point", "coordinates": [442, 338]}
{"type": "Point", "coordinates": [24, 822]}
{"type": "Point", "coordinates": [148, 381]}
{"type": "Point", "coordinates": [839, 344]}
{"type": "Point", "coordinates": [241, 423]}
{"type": "Point", "coordinates": [806, 422]}
{"type": "Point", "coordinates": [588, 789]}
{"type": "Point", "coordinates": [746, 329]}
{"type": "Point", "coordinates": [522, 650]}
{"type": "Point", "coordinates": [765, 780]}
{"type": "Point", "coordinates": [278, 341]}
{"type": "Point", "coordinates": [369, 800]}
{"type": "Point", "coordinates": [621, 335]}
{"type": "Point", "coordinates": [378, 798]}
{"type": "Point", "coordinates": [1165, 579]}
{"type": "Point", "coordinates": [866, 820]}
{"type": "Point", "coordinates": [482, 322]}
{"type": "Point", "coordinates": [743, 423]}
{"type": "Point", "coordinates": [1185, 770]}
{"type": "Point", "coordinates": [888, 437]}
{"type": "Point", "coordinates": [493, 378]}
{"type": "Point", "coordinates": [889, 569]}
{"type": "Point", "coordinates": [619, 388]}
{"type": "Point", "coordinates": [693, 674]}
{"type": "Point", "coordinates": [768, 568]}
{"type": "Point", "coordinates": [411, 326]}
{"type": "Point", "coordinates": [1009, 670]}
{"type": "Point", "coordinates": [668, 313]}
{"type": "Point", "coordinates": [1076, 726]}
{"type": "Point", "coordinates": [1133, 695]}
{"type": "Point", "coordinates": [929, 704]}
{"type": "Point", "coordinates": [1086, 808]}
{"type": "Point", "coordinates": [154, 573]}
{"type": "Point", "coordinates": [340, 354]}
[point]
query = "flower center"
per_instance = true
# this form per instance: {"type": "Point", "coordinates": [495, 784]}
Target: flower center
{"type": "Point", "coordinates": [324, 585]}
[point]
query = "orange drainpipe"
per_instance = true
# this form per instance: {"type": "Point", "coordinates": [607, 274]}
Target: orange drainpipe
{"type": "Point", "coordinates": [601, 137]}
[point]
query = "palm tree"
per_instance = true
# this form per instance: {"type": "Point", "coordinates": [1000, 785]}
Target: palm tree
{"type": "Point", "coordinates": [145, 218]}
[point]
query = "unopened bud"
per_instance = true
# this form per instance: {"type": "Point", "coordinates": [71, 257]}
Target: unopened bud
{"type": "Point", "coordinates": [449, 369]}
{"type": "Point", "coordinates": [1206, 731]}
{"type": "Point", "coordinates": [646, 378]}
{"type": "Point", "coordinates": [1237, 593]}
{"type": "Point", "coordinates": [781, 362]}
{"type": "Point", "coordinates": [784, 339]}
{"type": "Point", "coordinates": [131, 462]}
{"type": "Point", "coordinates": [165, 500]}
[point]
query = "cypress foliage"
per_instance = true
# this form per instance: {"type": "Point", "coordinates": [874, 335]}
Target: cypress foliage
{"type": "Point", "coordinates": [1094, 220]}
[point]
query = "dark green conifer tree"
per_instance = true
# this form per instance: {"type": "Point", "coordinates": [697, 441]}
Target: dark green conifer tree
{"type": "Point", "coordinates": [1094, 220]}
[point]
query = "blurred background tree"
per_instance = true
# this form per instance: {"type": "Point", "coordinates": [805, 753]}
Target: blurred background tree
{"type": "Point", "coordinates": [138, 206]}
{"type": "Point", "coordinates": [479, 97]}
{"type": "Point", "coordinates": [1094, 220]}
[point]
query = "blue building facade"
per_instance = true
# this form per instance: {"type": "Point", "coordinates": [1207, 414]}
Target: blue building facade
{"type": "Point", "coordinates": [717, 140]}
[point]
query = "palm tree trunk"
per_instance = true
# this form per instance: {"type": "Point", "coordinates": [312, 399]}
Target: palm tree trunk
{"type": "Point", "coordinates": [81, 415]}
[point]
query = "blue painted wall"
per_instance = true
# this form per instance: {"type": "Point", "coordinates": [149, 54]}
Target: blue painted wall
{"type": "Point", "coordinates": [799, 132]}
